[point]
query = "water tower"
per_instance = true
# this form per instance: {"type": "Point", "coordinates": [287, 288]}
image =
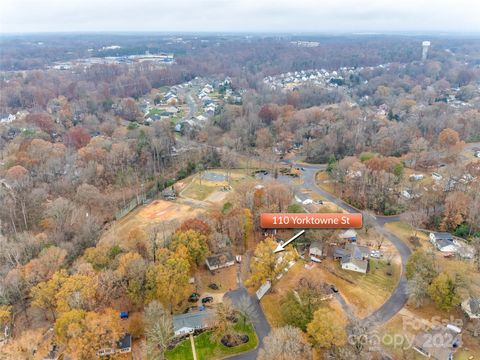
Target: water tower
{"type": "Point", "coordinates": [425, 47]}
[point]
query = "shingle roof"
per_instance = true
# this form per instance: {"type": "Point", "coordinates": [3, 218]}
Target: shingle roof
{"type": "Point", "coordinates": [197, 320]}
{"type": "Point", "coordinates": [443, 236]}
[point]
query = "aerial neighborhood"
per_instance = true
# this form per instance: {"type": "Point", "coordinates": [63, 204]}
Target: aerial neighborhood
{"type": "Point", "coordinates": [136, 171]}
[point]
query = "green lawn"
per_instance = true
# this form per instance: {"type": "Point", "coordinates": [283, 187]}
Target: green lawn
{"type": "Point", "coordinates": [197, 191]}
{"type": "Point", "coordinates": [376, 279]}
{"type": "Point", "coordinates": [207, 350]}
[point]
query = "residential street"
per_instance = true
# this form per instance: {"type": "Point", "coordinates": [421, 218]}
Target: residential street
{"type": "Point", "coordinates": [391, 307]}
{"type": "Point", "coordinates": [399, 296]}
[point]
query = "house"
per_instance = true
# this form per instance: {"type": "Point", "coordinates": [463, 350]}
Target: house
{"type": "Point", "coordinates": [471, 307]}
{"type": "Point", "coordinates": [316, 251]}
{"type": "Point", "coordinates": [443, 241]}
{"type": "Point", "coordinates": [7, 118]}
{"type": "Point", "coordinates": [350, 235]}
{"type": "Point", "coordinates": [124, 345]}
{"type": "Point", "coordinates": [303, 198]}
{"type": "Point", "coordinates": [407, 194]}
{"type": "Point", "coordinates": [450, 341]}
{"type": "Point", "coordinates": [416, 177]}
{"type": "Point", "coordinates": [220, 261]}
{"type": "Point", "coordinates": [185, 324]}
{"type": "Point", "coordinates": [169, 193]}
{"type": "Point", "coordinates": [353, 257]}
{"type": "Point", "coordinates": [437, 176]}
{"type": "Point", "coordinates": [54, 354]}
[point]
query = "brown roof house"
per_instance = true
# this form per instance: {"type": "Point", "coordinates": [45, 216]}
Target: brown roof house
{"type": "Point", "coordinates": [220, 261]}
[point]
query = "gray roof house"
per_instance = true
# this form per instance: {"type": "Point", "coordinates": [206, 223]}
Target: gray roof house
{"type": "Point", "coordinates": [353, 257]}
{"type": "Point", "coordinates": [316, 249]}
{"type": "Point", "coordinates": [184, 324]}
{"type": "Point", "coordinates": [443, 241]}
{"type": "Point", "coordinates": [451, 341]}
{"type": "Point", "coordinates": [471, 307]}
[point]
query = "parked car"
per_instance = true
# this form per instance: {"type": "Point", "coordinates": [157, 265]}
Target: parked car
{"type": "Point", "coordinates": [375, 254]}
{"type": "Point", "coordinates": [213, 286]}
{"type": "Point", "coordinates": [207, 299]}
{"type": "Point", "coordinates": [194, 297]}
{"type": "Point", "coordinates": [124, 315]}
{"type": "Point", "coordinates": [334, 288]}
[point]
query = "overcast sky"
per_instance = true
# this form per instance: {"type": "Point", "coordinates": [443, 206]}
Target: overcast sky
{"type": "Point", "coordinates": [240, 15]}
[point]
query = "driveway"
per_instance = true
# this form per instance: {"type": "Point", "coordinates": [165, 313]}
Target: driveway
{"type": "Point", "coordinates": [399, 296]}
{"type": "Point", "coordinates": [240, 298]}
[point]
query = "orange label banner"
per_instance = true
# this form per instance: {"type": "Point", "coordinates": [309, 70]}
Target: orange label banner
{"type": "Point", "coordinates": [310, 221]}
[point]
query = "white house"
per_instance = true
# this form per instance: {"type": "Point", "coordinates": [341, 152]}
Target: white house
{"type": "Point", "coordinates": [416, 177]}
{"type": "Point", "coordinates": [353, 257]}
{"type": "Point", "coordinates": [437, 176]}
{"type": "Point", "coordinates": [350, 235]}
{"type": "Point", "coordinates": [185, 324]}
{"type": "Point", "coordinates": [443, 241]}
{"type": "Point", "coordinates": [316, 251]}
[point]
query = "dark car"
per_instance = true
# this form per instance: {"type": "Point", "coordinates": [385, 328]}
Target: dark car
{"type": "Point", "coordinates": [194, 297]}
{"type": "Point", "coordinates": [334, 288]}
{"type": "Point", "coordinates": [207, 299]}
{"type": "Point", "coordinates": [213, 286]}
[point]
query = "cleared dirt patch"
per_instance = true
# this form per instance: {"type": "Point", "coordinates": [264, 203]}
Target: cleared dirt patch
{"type": "Point", "coordinates": [168, 213]}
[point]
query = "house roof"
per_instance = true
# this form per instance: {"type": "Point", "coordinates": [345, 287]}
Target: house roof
{"type": "Point", "coordinates": [361, 264]}
{"type": "Point", "coordinates": [451, 342]}
{"type": "Point", "coordinates": [348, 234]}
{"type": "Point", "coordinates": [441, 243]}
{"type": "Point", "coordinates": [474, 305]}
{"type": "Point", "coordinates": [125, 342]}
{"type": "Point", "coordinates": [357, 251]}
{"type": "Point", "coordinates": [220, 259]}
{"type": "Point", "coordinates": [196, 320]}
{"type": "Point", "coordinates": [339, 252]}
{"type": "Point", "coordinates": [443, 236]}
{"type": "Point", "coordinates": [317, 245]}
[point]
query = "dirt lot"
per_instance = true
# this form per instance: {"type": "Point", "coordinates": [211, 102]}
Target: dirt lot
{"type": "Point", "coordinates": [169, 213]}
{"type": "Point", "coordinates": [224, 278]}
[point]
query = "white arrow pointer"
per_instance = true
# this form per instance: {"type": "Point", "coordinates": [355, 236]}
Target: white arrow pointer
{"type": "Point", "coordinates": [282, 246]}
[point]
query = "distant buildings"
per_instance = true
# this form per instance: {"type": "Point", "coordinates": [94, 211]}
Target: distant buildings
{"type": "Point", "coordinates": [425, 47]}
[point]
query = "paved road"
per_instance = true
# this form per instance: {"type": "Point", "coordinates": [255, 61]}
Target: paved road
{"type": "Point", "coordinates": [239, 296]}
{"type": "Point", "coordinates": [392, 306]}
{"type": "Point", "coordinates": [399, 296]}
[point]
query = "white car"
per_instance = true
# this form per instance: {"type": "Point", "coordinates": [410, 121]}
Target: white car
{"type": "Point", "coordinates": [307, 202]}
{"type": "Point", "coordinates": [375, 254]}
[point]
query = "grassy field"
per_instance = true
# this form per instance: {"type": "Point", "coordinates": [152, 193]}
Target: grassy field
{"type": "Point", "coordinates": [323, 181]}
{"type": "Point", "coordinates": [207, 190]}
{"type": "Point", "coordinates": [209, 350]}
{"type": "Point", "coordinates": [198, 191]}
{"type": "Point", "coordinates": [365, 293]}
{"type": "Point", "coordinates": [405, 232]}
